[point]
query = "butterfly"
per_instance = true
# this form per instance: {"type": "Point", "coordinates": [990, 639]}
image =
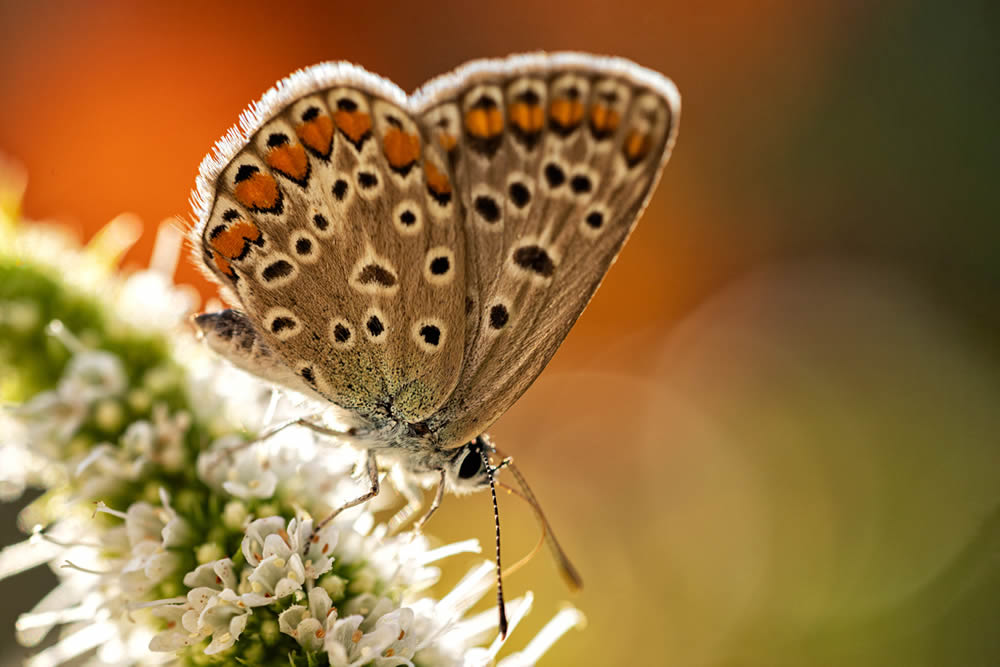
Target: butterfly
{"type": "Point", "coordinates": [414, 261]}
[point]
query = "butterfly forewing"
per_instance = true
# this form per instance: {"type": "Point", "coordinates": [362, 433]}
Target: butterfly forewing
{"type": "Point", "coordinates": [554, 159]}
{"type": "Point", "coordinates": [324, 228]}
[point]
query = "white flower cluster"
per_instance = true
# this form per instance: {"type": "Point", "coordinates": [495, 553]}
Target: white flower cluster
{"type": "Point", "coordinates": [191, 552]}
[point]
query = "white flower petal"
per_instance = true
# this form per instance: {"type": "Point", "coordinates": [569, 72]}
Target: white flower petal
{"type": "Point", "coordinates": [310, 634]}
{"type": "Point", "coordinates": [253, 541]}
{"type": "Point", "coordinates": [289, 619]}
{"type": "Point", "coordinates": [320, 604]}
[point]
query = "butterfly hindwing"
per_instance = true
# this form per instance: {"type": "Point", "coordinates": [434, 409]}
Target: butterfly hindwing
{"type": "Point", "coordinates": [554, 159]}
{"type": "Point", "coordinates": [324, 228]}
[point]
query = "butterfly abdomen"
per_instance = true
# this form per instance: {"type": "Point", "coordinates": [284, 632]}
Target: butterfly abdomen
{"type": "Point", "coordinates": [230, 334]}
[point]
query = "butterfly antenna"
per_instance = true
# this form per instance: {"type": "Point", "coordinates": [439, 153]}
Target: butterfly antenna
{"type": "Point", "coordinates": [569, 573]}
{"type": "Point", "coordinates": [541, 538]}
{"type": "Point", "coordinates": [490, 471]}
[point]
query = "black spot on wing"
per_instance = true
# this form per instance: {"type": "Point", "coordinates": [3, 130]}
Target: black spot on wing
{"type": "Point", "coordinates": [534, 258]}
{"type": "Point", "coordinates": [244, 172]}
{"type": "Point", "coordinates": [376, 274]}
{"type": "Point", "coordinates": [554, 175]}
{"type": "Point", "coordinates": [519, 194]}
{"type": "Point", "coordinates": [499, 316]}
{"type": "Point", "coordinates": [440, 266]}
{"type": "Point", "coordinates": [339, 189]}
{"type": "Point", "coordinates": [431, 334]}
{"type": "Point", "coordinates": [375, 326]}
{"type": "Point", "coordinates": [277, 139]}
{"type": "Point", "coordinates": [487, 207]}
{"type": "Point", "coordinates": [341, 333]}
{"type": "Point", "coordinates": [275, 270]}
{"type": "Point", "coordinates": [280, 324]}
{"type": "Point", "coordinates": [581, 184]}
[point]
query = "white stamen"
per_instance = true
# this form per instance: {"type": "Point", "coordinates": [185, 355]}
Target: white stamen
{"type": "Point", "coordinates": [101, 507]}
{"type": "Point", "coordinates": [132, 606]}
{"type": "Point", "coordinates": [23, 556]}
{"type": "Point", "coordinates": [547, 636]}
{"type": "Point", "coordinates": [468, 591]}
{"type": "Point", "coordinates": [464, 547]}
{"type": "Point", "coordinates": [40, 537]}
{"type": "Point", "coordinates": [69, 565]}
{"type": "Point", "coordinates": [58, 330]}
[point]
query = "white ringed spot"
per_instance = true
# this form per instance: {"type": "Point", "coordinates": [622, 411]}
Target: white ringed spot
{"type": "Point", "coordinates": [304, 246]}
{"type": "Point", "coordinates": [439, 266]}
{"type": "Point", "coordinates": [534, 261]}
{"type": "Point", "coordinates": [429, 334]}
{"type": "Point", "coordinates": [376, 325]}
{"type": "Point", "coordinates": [374, 275]}
{"type": "Point", "coordinates": [341, 333]}
{"type": "Point", "coordinates": [488, 208]}
{"type": "Point", "coordinates": [497, 316]}
{"type": "Point", "coordinates": [408, 217]}
{"type": "Point", "coordinates": [276, 270]}
{"type": "Point", "coordinates": [595, 219]}
{"type": "Point", "coordinates": [282, 323]}
{"type": "Point", "coordinates": [368, 179]}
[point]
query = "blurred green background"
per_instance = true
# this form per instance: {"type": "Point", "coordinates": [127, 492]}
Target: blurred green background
{"type": "Point", "coordinates": [773, 438]}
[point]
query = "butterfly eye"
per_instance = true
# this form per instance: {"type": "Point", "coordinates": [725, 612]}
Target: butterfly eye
{"type": "Point", "coordinates": [471, 464]}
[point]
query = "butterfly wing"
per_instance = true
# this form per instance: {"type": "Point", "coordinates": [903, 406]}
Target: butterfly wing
{"type": "Point", "coordinates": [554, 158]}
{"type": "Point", "coordinates": [329, 220]}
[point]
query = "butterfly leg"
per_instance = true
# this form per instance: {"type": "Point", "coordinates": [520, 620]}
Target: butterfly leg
{"type": "Point", "coordinates": [372, 467]}
{"type": "Point", "coordinates": [438, 495]}
{"type": "Point", "coordinates": [274, 430]}
{"type": "Point", "coordinates": [414, 501]}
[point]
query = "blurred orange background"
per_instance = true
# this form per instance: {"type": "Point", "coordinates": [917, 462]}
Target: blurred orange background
{"type": "Point", "coordinates": [772, 439]}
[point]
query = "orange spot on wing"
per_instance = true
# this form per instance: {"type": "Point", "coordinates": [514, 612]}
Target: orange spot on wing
{"type": "Point", "coordinates": [317, 134]}
{"type": "Point", "coordinates": [637, 145]}
{"type": "Point", "coordinates": [447, 141]}
{"type": "Point", "coordinates": [401, 149]}
{"type": "Point", "coordinates": [603, 119]}
{"type": "Point", "coordinates": [476, 123]}
{"type": "Point", "coordinates": [223, 265]}
{"type": "Point", "coordinates": [231, 242]}
{"type": "Point", "coordinates": [484, 123]}
{"type": "Point", "coordinates": [528, 117]}
{"type": "Point", "coordinates": [494, 121]}
{"type": "Point", "coordinates": [260, 191]}
{"type": "Point", "coordinates": [566, 112]}
{"type": "Point", "coordinates": [354, 124]}
{"type": "Point", "coordinates": [437, 180]}
{"type": "Point", "coordinates": [290, 160]}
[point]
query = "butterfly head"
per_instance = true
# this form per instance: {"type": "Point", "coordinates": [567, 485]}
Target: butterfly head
{"type": "Point", "coordinates": [469, 468]}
